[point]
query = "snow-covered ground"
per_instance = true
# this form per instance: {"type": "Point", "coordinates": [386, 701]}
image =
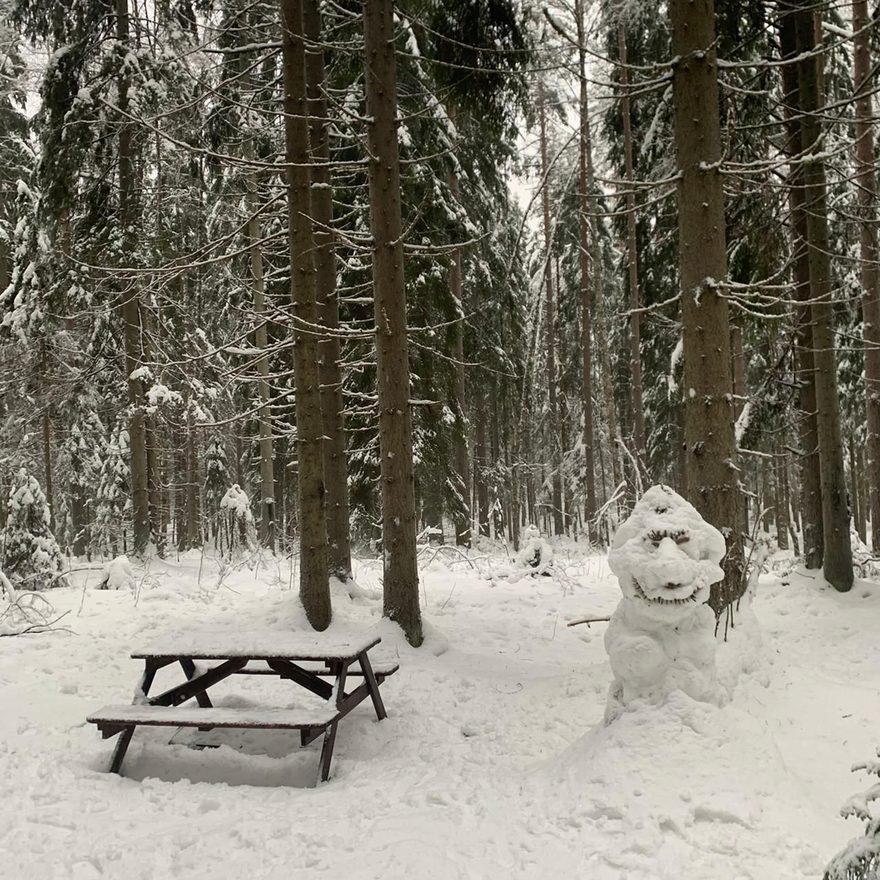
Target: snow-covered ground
{"type": "Point", "coordinates": [493, 762]}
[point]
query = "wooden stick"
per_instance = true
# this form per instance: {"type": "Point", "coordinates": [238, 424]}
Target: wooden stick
{"type": "Point", "coordinates": [588, 620]}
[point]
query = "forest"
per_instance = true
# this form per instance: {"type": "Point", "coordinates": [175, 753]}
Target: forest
{"type": "Point", "coordinates": [355, 299]}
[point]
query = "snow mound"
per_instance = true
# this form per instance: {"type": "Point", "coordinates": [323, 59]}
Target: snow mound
{"type": "Point", "coordinates": [118, 574]}
{"type": "Point", "coordinates": [646, 816]}
{"type": "Point", "coordinates": [535, 552]}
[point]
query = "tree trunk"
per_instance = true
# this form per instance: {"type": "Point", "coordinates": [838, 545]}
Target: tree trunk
{"type": "Point", "coordinates": [739, 398]}
{"type": "Point", "coordinates": [332, 404]}
{"type": "Point", "coordinates": [783, 523]}
{"type": "Point", "coordinates": [181, 480]}
{"type": "Point", "coordinates": [401, 577]}
{"type": "Point", "coordinates": [550, 326]}
{"type": "Point", "coordinates": [864, 494]}
{"type": "Point", "coordinates": [808, 438]}
{"type": "Point", "coordinates": [858, 513]}
{"type": "Point", "coordinates": [866, 189]}
{"type": "Point", "coordinates": [585, 185]}
{"type": "Point", "coordinates": [193, 536]}
{"type": "Point", "coordinates": [635, 321]}
{"type": "Point", "coordinates": [768, 496]}
{"type": "Point", "coordinates": [154, 485]}
{"type": "Point", "coordinates": [837, 556]}
{"type": "Point", "coordinates": [709, 435]}
{"type": "Point", "coordinates": [314, 586]}
{"type": "Point", "coordinates": [481, 465]}
{"type": "Point", "coordinates": [48, 487]}
{"type": "Point", "coordinates": [462, 465]}
{"type": "Point", "coordinates": [261, 341]}
{"type": "Point", "coordinates": [130, 307]}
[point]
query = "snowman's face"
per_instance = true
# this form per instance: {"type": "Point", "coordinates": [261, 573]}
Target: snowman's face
{"type": "Point", "coordinates": [665, 568]}
{"type": "Point", "coordinates": [665, 555]}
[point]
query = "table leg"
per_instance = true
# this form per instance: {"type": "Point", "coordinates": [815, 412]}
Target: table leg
{"type": "Point", "coordinates": [339, 687]}
{"type": "Point", "coordinates": [143, 687]}
{"type": "Point", "coordinates": [327, 751]}
{"type": "Point", "coordinates": [189, 670]}
{"type": "Point", "coordinates": [140, 696]}
{"type": "Point", "coordinates": [372, 685]}
{"type": "Point", "coordinates": [121, 749]}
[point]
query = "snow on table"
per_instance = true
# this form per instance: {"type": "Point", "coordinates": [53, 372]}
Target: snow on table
{"type": "Point", "coordinates": [258, 645]}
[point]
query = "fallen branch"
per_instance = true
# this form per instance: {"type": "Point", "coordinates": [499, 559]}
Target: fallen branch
{"type": "Point", "coordinates": [589, 620]}
{"type": "Point", "coordinates": [36, 628]}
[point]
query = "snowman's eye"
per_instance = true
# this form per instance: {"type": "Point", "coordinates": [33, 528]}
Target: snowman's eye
{"type": "Point", "coordinates": [655, 536]}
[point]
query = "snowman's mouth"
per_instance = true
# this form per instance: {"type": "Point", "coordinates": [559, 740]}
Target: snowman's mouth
{"type": "Point", "coordinates": [659, 600]}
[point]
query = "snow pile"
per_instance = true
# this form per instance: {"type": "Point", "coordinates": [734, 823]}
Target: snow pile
{"type": "Point", "coordinates": [236, 502]}
{"type": "Point", "coordinates": [661, 637]}
{"type": "Point", "coordinates": [535, 552]}
{"type": "Point", "coordinates": [118, 575]}
{"type": "Point", "coordinates": [236, 523]}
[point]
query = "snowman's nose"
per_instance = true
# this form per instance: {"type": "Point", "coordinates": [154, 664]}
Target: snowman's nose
{"type": "Point", "coordinates": [667, 547]}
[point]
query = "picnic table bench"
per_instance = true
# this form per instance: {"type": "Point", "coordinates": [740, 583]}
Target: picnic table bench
{"type": "Point", "coordinates": [280, 654]}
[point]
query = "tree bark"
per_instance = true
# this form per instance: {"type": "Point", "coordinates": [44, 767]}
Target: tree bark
{"type": "Point", "coordinates": [709, 433]}
{"type": "Point", "coordinates": [837, 556]}
{"type": "Point", "coordinates": [783, 522]}
{"type": "Point", "coordinates": [808, 437]}
{"type": "Point", "coordinates": [635, 321]}
{"type": "Point", "coordinates": [314, 586]}
{"type": "Point", "coordinates": [462, 464]}
{"type": "Point", "coordinates": [864, 494]}
{"type": "Point", "coordinates": [261, 341]}
{"type": "Point", "coordinates": [329, 354]}
{"type": "Point", "coordinates": [858, 512]}
{"type": "Point", "coordinates": [47, 466]}
{"type": "Point", "coordinates": [584, 185]}
{"type": "Point", "coordinates": [739, 397]}
{"type": "Point", "coordinates": [401, 578]}
{"type": "Point", "coordinates": [866, 189]}
{"type": "Point", "coordinates": [550, 325]}
{"type": "Point", "coordinates": [193, 536]}
{"type": "Point", "coordinates": [481, 464]}
{"type": "Point", "coordinates": [130, 307]}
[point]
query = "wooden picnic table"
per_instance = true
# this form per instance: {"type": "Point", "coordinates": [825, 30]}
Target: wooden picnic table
{"type": "Point", "coordinates": [280, 654]}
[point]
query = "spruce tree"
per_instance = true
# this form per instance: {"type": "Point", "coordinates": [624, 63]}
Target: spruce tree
{"type": "Point", "coordinates": [29, 554]}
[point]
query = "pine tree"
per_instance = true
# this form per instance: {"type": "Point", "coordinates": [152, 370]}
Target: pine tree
{"type": "Point", "coordinates": [860, 859]}
{"type": "Point", "coordinates": [29, 554]}
{"type": "Point", "coordinates": [113, 507]}
{"type": "Point", "coordinates": [216, 482]}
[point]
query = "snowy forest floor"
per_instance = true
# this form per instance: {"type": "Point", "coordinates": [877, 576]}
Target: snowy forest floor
{"type": "Point", "coordinates": [494, 761]}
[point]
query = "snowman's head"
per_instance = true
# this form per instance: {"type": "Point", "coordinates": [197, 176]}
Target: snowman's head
{"type": "Point", "coordinates": [665, 555]}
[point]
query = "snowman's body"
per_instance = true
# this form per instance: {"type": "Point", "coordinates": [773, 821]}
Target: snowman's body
{"type": "Point", "coordinates": [662, 635]}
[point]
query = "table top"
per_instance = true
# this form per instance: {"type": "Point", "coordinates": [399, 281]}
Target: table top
{"type": "Point", "coordinates": [227, 644]}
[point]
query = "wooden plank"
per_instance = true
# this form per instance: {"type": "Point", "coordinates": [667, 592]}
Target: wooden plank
{"type": "Point", "coordinates": [373, 686]}
{"type": "Point", "coordinates": [189, 689]}
{"type": "Point", "coordinates": [303, 677]}
{"type": "Point", "coordinates": [257, 718]}
{"type": "Point", "coordinates": [189, 670]}
{"type": "Point", "coordinates": [259, 645]}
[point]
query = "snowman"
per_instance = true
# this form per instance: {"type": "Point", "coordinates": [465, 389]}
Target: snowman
{"type": "Point", "coordinates": [661, 637]}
